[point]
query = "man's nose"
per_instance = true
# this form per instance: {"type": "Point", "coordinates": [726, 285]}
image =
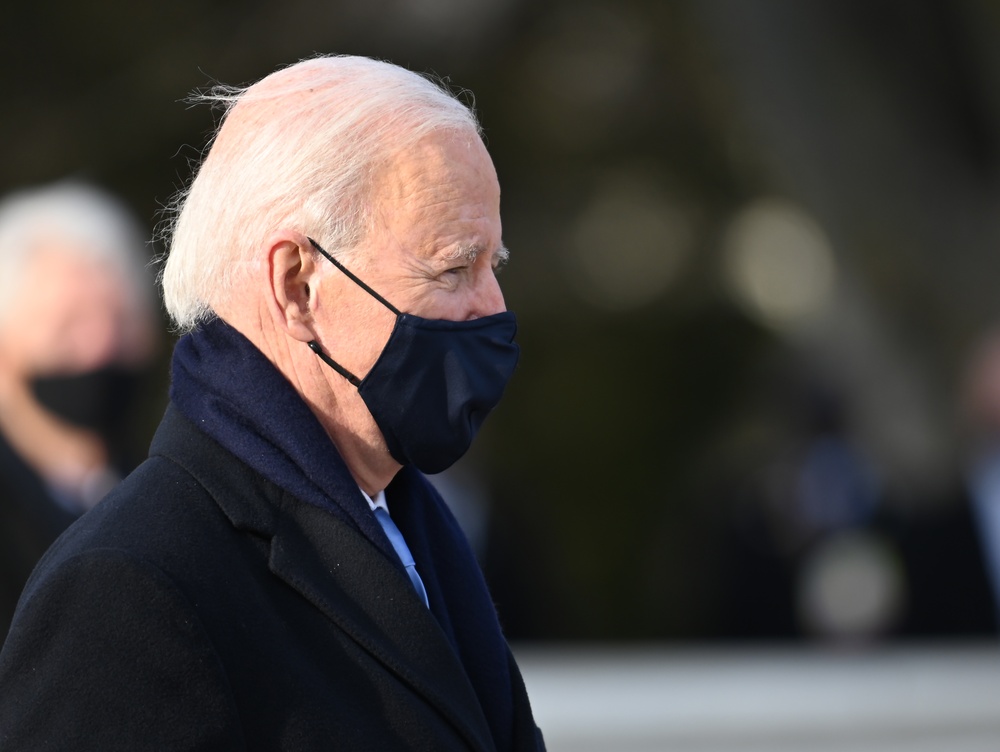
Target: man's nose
{"type": "Point", "coordinates": [487, 296]}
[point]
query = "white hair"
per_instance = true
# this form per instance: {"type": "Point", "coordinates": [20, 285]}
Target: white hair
{"type": "Point", "coordinates": [298, 150]}
{"type": "Point", "coordinates": [80, 219]}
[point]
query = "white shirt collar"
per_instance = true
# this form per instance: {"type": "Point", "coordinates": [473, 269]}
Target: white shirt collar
{"type": "Point", "coordinates": [378, 501]}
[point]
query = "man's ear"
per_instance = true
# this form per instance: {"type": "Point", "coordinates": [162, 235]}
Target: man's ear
{"type": "Point", "coordinates": [294, 278]}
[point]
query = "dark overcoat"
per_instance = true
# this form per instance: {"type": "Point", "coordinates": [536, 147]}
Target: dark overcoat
{"type": "Point", "coordinates": [201, 607]}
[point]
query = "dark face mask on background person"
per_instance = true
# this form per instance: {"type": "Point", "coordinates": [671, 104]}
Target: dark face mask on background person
{"type": "Point", "coordinates": [97, 400]}
{"type": "Point", "coordinates": [435, 382]}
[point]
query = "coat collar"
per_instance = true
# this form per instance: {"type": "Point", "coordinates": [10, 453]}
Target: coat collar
{"type": "Point", "coordinates": [338, 570]}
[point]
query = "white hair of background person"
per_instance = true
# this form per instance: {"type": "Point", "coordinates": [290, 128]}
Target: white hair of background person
{"type": "Point", "coordinates": [78, 218]}
{"type": "Point", "coordinates": [308, 162]}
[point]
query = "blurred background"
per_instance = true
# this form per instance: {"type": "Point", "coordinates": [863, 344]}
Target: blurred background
{"type": "Point", "coordinates": [754, 257]}
{"type": "Point", "coordinates": [754, 250]}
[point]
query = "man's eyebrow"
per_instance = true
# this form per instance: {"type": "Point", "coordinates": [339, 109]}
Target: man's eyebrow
{"type": "Point", "coordinates": [471, 252]}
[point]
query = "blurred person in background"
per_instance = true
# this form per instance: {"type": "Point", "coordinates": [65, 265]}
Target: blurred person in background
{"type": "Point", "coordinates": [280, 574]}
{"type": "Point", "coordinates": [815, 547]}
{"type": "Point", "coordinates": [807, 549]}
{"type": "Point", "coordinates": [77, 322]}
{"type": "Point", "coordinates": [961, 555]}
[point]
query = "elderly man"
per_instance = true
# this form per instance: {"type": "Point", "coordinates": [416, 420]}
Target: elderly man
{"type": "Point", "coordinates": [279, 574]}
{"type": "Point", "coordinates": [77, 328]}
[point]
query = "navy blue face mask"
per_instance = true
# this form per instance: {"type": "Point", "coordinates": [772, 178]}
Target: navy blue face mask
{"type": "Point", "coordinates": [435, 382]}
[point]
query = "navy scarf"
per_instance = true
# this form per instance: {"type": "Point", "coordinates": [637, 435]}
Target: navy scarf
{"type": "Point", "coordinates": [226, 387]}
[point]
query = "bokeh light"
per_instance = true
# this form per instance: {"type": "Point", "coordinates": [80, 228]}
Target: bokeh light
{"type": "Point", "coordinates": [779, 263]}
{"type": "Point", "coordinates": [628, 244]}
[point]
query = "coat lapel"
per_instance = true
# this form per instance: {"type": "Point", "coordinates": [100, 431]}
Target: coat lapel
{"type": "Point", "coordinates": [343, 574]}
{"type": "Point", "coordinates": [371, 599]}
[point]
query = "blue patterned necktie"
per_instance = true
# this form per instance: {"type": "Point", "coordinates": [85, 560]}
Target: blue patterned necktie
{"type": "Point", "coordinates": [402, 551]}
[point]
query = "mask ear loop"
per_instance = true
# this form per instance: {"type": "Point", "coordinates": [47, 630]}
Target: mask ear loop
{"type": "Point", "coordinates": [355, 280]}
{"type": "Point", "coordinates": [314, 345]}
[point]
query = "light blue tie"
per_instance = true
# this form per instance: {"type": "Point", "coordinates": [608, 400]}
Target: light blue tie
{"type": "Point", "coordinates": [402, 551]}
